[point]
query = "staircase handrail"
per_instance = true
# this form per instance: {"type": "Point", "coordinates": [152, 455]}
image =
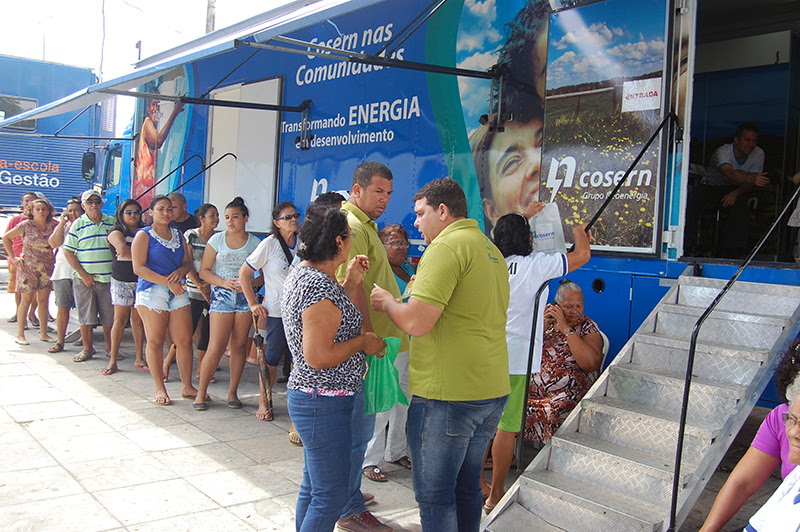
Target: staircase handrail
{"type": "Point", "coordinates": [690, 361]}
{"type": "Point", "coordinates": [202, 170]}
{"type": "Point", "coordinates": [154, 185]}
{"type": "Point", "coordinates": [671, 117]}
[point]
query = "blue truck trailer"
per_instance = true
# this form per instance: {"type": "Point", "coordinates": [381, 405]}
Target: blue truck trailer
{"type": "Point", "coordinates": [46, 154]}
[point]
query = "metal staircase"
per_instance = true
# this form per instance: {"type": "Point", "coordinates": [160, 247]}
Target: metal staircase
{"type": "Point", "coordinates": [610, 466]}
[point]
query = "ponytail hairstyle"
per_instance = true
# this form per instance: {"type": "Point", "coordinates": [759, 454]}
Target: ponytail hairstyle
{"type": "Point", "coordinates": [238, 203]}
{"type": "Point", "coordinates": [276, 211]}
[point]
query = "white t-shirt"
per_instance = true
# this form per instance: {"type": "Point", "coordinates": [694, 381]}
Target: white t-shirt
{"type": "Point", "coordinates": [62, 269]}
{"type": "Point", "coordinates": [725, 155]}
{"type": "Point", "coordinates": [270, 258]}
{"type": "Point", "coordinates": [525, 275]}
{"type": "Point", "coordinates": [780, 512]}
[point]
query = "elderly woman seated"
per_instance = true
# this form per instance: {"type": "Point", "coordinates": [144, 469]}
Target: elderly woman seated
{"type": "Point", "coordinates": [571, 360]}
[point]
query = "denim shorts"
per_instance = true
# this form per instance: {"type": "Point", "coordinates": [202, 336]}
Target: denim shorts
{"type": "Point", "coordinates": [224, 300]}
{"type": "Point", "coordinates": [122, 293]}
{"type": "Point", "coordinates": [159, 298]}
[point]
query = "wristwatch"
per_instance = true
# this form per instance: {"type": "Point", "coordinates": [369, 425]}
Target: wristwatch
{"type": "Point", "coordinates": [569, 332]}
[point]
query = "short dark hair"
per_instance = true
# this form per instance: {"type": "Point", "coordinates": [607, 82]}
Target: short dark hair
{"type": "Point", "coordinates": [746, 126]}
{"type": "Point", "coordinates": [390, 229]}
{"type": "Point", "coordinates": [365, 171]}
{"type": "Point", "coordinates": [323, 223]}
{"type": "Point", "coordinates": [330, 198]}
{"type": "Point", "coordinates": [446, 191]}
{"type": "Point", "coordinates": [788, 369]}
{"type": "Point", "coordinates": [512, 235]}
{"type": "Point", "coordinates": [238, 203]}
{"type": "Point", "coordinates": [276, 211]}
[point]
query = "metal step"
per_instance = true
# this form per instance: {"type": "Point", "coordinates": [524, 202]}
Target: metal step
{"type": "Point", "coordinates": [756, 298]}
{"type": "Point", "coordinates": [517, 517]}
{"type": "Point", "coordinates": [712, 361]}
{"type": "Point", "coordinates": [736, 328]}
{"type": "Point", "coordinates": [656, 388]}
{"type": "Point", "coordinates": [643, 428]}
{"type": "Point", "coordinates": [642, 476]}
{"type": "Point", "coordinates": [577, 506]}
{"type": "Point", "coordinates": [610, 465]}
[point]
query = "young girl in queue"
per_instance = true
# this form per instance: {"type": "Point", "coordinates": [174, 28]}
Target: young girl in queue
{"type": "Point", "coordinates": [161, 259]}
{"type": "Point", "coordinates": [229, 313]}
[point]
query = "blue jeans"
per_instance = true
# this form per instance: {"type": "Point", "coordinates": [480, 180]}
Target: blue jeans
{"type": "Point", "coordinates": [447, 440]}
{"type": "Point", "coordinates": [363, 427]}
{"type": "Point", "coordinates": [324, 425]}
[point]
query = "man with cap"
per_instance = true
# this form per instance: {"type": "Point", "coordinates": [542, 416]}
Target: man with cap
{"type": "Point", "coordinates": [86, 250]}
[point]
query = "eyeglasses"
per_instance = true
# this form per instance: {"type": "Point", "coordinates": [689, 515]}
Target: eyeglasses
{"type": "Point", "coordinates": [790, 421]}
{"type": "Point", "coordinates": [91, 201]}
{"type": "Point", "coordinates": [345, 235]}
{"type": "Point", "coordinates": [295, 216]}
{"type": "Point", "coordinates": [396, 244]}
{"type": "Point", "coordinates": [132, 212]}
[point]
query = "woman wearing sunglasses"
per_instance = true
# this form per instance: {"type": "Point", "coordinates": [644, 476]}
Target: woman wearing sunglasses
{"type": "Point", "coordinates": [128, 220]}
{"type": "Point", "coordinates": [273, 256]}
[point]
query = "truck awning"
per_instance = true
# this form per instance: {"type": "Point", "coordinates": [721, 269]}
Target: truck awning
{"type": "Point", "coordinates": [260, 28]}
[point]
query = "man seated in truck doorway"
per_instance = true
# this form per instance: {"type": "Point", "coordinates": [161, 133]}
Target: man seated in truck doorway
{"type": "Point", "coordinates": [732, 173]}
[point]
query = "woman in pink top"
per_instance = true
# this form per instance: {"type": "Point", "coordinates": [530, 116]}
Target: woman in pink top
{"type": "Point", "coordinates": [770, 447]}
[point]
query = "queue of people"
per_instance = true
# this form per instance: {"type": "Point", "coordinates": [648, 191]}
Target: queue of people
{"type": "Point", "coordinates": [334, 287]}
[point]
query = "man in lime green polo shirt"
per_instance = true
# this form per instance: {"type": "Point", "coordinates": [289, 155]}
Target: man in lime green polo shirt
{"type": "Point", "coordinates": [369, 196]}
{"type": "Point", "coordinates": [459, 383]}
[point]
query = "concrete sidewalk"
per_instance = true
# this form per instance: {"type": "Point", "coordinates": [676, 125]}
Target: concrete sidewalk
{"type": "Point", "coordinates": [82, 451]}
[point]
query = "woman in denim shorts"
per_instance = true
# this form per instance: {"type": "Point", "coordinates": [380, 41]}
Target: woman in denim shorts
{"type": "Point", "coordinates": [161, 259]}
{"type": "Point", "coordinates": [123, 284]}
{"type": "Point", "coordinates": [229, 313]}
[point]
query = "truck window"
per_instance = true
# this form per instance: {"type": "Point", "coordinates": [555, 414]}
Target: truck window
{"type": "Point", "coordinates": [14, 105]}
{"type": "Point", "coordinates": [113, 168]}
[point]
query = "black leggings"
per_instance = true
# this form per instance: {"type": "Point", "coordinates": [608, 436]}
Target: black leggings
{"type": "Point", "coordinates": [200, 318]}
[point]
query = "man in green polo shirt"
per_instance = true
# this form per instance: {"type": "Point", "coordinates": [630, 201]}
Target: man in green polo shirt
{"type": "Point", "coordinates": [369, 196]}
{"type": "Point", "coordinates": [86, 250]}
{"type": "Point", "coordinates": [456, 316]}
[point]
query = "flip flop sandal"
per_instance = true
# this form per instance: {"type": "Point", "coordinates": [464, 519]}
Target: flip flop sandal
{"type": "Point", "coordinates": [108, 371]}
{"type": "Point", "coordinates": [264, 416]}
{"type": "Point", "coordinates": [143, 368]}
{"type": "Point", "coordinates": [56, 348]}
{"type": "Point", "coordinates": [405, 461]}
{"type": "Point", "coordinates": [378, 475]}
{"type": "Point", "coordinates": [83, 356]}
{"type": "Point", "coordinates": [294, 439]}
{"type": "Point", "coordinates": [34, 321]}
{"type": "Point", "coordinates": [12, 319]}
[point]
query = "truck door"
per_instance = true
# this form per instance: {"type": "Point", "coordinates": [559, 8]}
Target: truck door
{"type": "Point", "coordinates": [252, 136]}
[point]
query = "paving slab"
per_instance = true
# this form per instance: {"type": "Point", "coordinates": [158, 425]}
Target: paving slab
{"type": "Point", "coordinates": [86, 452]}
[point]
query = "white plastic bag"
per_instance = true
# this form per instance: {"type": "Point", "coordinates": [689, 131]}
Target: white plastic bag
{"type": "Point", "coordinates": [548, 235]}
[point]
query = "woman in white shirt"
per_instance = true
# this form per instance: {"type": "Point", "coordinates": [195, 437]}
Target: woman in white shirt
{"type": "Point", "coordinates": [273, 256]}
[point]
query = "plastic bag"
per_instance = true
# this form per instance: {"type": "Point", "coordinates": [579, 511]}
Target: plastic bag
{"type": "Point", "coordinates": [382, 383]}
{"type": "Point", "coordinates": [548, 234]}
